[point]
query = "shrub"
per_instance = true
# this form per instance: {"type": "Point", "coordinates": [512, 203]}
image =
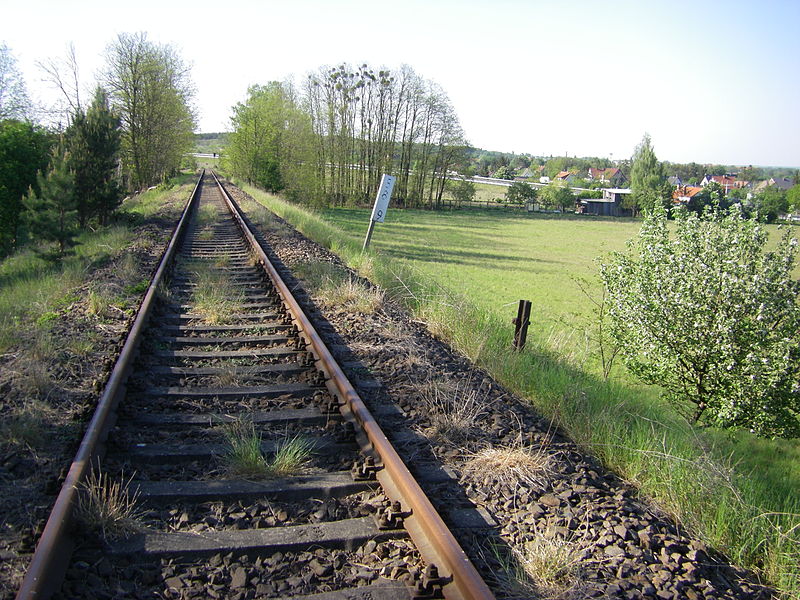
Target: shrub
{"type": "Point", "coordinates": [712, 317]}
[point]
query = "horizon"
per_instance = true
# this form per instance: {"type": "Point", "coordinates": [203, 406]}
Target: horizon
{"type": "Point", "coordinates": [710, 81]}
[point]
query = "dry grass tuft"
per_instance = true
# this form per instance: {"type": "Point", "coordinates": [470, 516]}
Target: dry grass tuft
{"type": "Point", "coordinates": [108, 508]}
{"type": "Point", "coordinates": [544, 567]}
{"type": "Point", "coordinates": [25, 425]}
{"type": "Point", "coordinates": [452, 409]}
{"type": "Point", "coordinates": [510, 465]}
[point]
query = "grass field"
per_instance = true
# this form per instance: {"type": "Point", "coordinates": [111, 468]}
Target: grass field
{"type": "Point", "coordinates": [463, 272]}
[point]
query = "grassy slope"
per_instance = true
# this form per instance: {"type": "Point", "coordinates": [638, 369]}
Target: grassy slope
{"type": "Point", "coordinates": [32, 287]}
{"type": "Point", "coordinates": [721, 485]}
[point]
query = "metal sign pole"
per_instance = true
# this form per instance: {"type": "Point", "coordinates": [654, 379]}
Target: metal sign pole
{"type": "Point", "coordinates": [381, 204]}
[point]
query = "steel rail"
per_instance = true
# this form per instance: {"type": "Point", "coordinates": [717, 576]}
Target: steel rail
{"type": "Point", "coordinates": [427, 529]}
{"type": "Point", "coordinates": [50, 560]}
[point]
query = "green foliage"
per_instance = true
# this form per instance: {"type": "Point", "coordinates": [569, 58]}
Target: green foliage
{"type": "Point", "coordinates": [712, 318]}
{"type": "Point", "coordinates": [93, 140]}
{"type": "Point", "coordinates": [52, 212]}
{"type": "Point", "coordinates": [462, 190]}
{"type": "Point", "coordinates": [520, 193]}
{"type": "Point", "coordinates": [149, 87]}
{"type": "Point", "coordinates": [24, 150]}
{"type": "Point", "coordinates": [771, 202]}
{"type": "Point", "coordinates": [793, 198]}
{"type": "Point", "coordinates": [557, 195]}
{"type": "Point", "coordinates": [649, 188]}
{"type": "Point", "coordinates": [272, 144]}
{"type": "Point", "coordinates": [504, 172]}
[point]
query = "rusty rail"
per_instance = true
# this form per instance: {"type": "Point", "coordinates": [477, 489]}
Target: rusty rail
{"type": "Point", "coordinates": [432, 537]}
{"type": "Point", "coordinates": [54, 549]}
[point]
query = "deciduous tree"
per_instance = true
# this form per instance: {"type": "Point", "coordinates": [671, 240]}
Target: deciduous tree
{"type": "Point", "coordinates": [712, 317]}
{"type": "Point", "coordinates": [150, 88]}
{"type": "Point", "coordinates": [14, 101]}
{"type": "Point", "coordinates": [24, 150]}
{"type": "Point", "coordinates": [520, 193]}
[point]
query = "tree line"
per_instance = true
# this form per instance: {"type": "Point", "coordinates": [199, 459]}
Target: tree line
{"type": "Point", "coordinates": [56, 181]}
{"type": "Point", "coordinates": [331, 140]}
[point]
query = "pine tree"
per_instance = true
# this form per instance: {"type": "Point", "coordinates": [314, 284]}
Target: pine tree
{"type": "Point", "coordinates": [52, 214]}
{"type": "Point", "coordinates": [94, 144]}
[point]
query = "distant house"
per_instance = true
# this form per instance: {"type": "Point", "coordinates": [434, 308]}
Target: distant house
{"type": "Point", "coordinates": [610, 175]}
{"type": "Point", "coordinates": [728, 182]}
{"type": "Point", "coordinates": [610, 205]}
{"type": "Point", "coordinates": [565, 176]}
{"type": "Point", "coordinates": [675, 181]}
{"type": "Point", "coordinates": [683, 193]}
{"type": "Point", "coordinates": [783, 183]}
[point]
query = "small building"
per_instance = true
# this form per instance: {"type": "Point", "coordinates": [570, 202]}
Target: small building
{"type": "Point", "coordinates": [565, 176]}
{"type": "Point", "coordinates": [610, 205]}
{"type": "Point", "coordinates": [782, 183]}
{"type": "Point", "coordinates": [611, 175]}
{"type": "Point", "coordinates": [683, 193]}
{"type": "Point", "coordinates": [728, 182]}
{"type": "Point", "coordinates": [675, 181]}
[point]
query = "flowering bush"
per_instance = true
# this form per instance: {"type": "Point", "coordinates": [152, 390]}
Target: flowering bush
{"type": "Point", "coordinates": [712, 317]}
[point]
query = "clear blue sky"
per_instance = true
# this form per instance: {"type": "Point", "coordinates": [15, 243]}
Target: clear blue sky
{"type": "Point", "coordinates": [711, 81]}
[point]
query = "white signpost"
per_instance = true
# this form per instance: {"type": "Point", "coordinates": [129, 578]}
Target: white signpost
{"type": "Point", "coordinates": [381, 204]}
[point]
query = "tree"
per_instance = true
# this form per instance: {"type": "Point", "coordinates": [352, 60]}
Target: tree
{"type": "Point", "coordinates": [770, 202]}
{"type": "Point", "coordinates": [462, 190]}
{"type": "Point", "coordinates": [150, 89]}
{"type": "Point", "coordinates": [24, 150]}
{"type": "Point", "coordinates": [52, 211]}
{"type": "Point", "coordinates": [520, 193]}
{"type": "Point", "coordinates": [93, 140]}
{"type": "Point", "coordinates": [712, 318]}
{"type": "Point", "coordinates": [793, 198]}
{"type": "Point", "coordinates": [558, 195]}
{"type": "Point", "coordinates": [649, 187]}
{"type": "Point", "coordinates": [272, 142]}
{"type": "Point", "coordinates": [14, 102]}
{"type": "Point", "coordinates": [504, 172]}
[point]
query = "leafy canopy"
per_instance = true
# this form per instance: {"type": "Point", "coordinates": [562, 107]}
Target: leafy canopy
{"type": "Point", "coordinates": [712, 317]}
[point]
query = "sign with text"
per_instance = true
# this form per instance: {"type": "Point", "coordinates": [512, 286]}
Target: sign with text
{"type": "Point", "coordinates": [382, 200]}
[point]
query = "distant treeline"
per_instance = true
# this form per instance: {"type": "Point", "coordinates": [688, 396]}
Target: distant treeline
{"type": "Point", "coordinates": [330, 141]}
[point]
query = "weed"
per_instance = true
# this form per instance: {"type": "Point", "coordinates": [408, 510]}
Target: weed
{"type": "Point", "coordinates": [25, 426]}
{"type": "Point", "coordinates": [137, 288]}
{"type": "Point", "coordinates": [46, 318]}
{"type": "Point", "coordinates": [351, 295]}
{"type": "Point", "coordinates": [548, 567]}
{"type": "Point", "coordinates": [128, 267]}
{"type": "Point", "coordinates": [214, 297]}
{"type": "Point", "coordinates": [97, 303]}
{"type": "Point", "coordinates": [291, 455]}
{"type": "Point", "coordinates": [243, 456]}
{"type": "Point", "coordinates": [452, 409]}
{"type": "Point", "coordinates": [108, 508]}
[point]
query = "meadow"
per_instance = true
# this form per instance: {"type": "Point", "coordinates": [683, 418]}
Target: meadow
{"type": "Point", "coordinates": [464, 271]}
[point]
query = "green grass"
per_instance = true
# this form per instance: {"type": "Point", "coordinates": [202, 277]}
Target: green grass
{"type": "Point", "coordinates": [32, 289]}
{"type": "Point", "coordinates": [463, 273]}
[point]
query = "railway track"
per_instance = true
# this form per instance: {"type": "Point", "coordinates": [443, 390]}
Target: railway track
{"type": "Point", "coordinates": [257, 469]}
